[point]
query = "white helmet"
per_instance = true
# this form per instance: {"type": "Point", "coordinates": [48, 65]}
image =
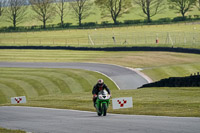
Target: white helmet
{"type": "Point", "coordinates": [100, 82]}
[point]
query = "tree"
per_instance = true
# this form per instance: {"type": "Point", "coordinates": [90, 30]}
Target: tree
{"type": "Point", "coordinates": [44, 10]}
{"type": "Point", "coordinates": [61, 10]}
{"type": "Point", "coordinates": [114, 8]}
{"type": "Point", "coordinates": [150, 7]}
{"type": "Point", "coordinates": [81, 9]}
{"type": "Point", "coordinates": [182, 6]}
{"type": "Point", "coordinates": [2, 6]}
{"type": "Point", "coordinates": [15, 11]}
{"type": "Point", "coordinates": [198, 4]}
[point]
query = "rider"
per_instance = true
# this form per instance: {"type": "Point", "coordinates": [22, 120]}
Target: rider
{"type": "Point", "coordinates": [97, 88]}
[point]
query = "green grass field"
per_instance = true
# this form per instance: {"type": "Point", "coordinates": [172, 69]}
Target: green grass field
{"type": "Point", "coordinates": [39, 82]}
{"type": "Point", "coordinates": [53, 88]}
{"type": "Point", "coordinates": [176, 35]}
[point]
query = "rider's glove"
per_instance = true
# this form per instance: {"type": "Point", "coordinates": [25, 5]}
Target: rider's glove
{"type": "Point", "coordinates": [94, 95]}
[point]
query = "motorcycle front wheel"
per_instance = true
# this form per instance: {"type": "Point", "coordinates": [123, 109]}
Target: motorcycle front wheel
{"type": "Point", "coordinates": [104, 109]}
{"type": "Point", "coordinates": [99, 111]}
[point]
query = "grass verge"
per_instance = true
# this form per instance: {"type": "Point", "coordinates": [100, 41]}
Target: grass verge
{"type": "Point", "coordinates": [182, 102]}
{"type": "Point", "coordinates": [3, 130]}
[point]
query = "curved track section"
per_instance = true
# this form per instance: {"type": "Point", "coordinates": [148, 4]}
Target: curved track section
{"type": "Point", "coordinates": [123, 77]}
{"type": "Point", "coordinates": [43, 120]}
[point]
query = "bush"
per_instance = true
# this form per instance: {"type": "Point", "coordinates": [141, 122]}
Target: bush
{"type": "Point", "coordinates": [33, 27]}
{"type": "Point", "coordinates": [164, 20]}
{"type": "Point", "coordinates": [64, 25]}
{"type": "Point", "coordinates": [104, 23]}
{"type": "Point", "coordinates": [176, 19]}
{"type": "Point", "coordinates": [189, 81]}
{"type": "Point", "coordinates": [132, 21]}
{"type": "Point", "coordinates": [196, 16]}
{"type": "Point", "coordinates": [190, 17]}
{"type": "Point", "coordinates": [89, 24]}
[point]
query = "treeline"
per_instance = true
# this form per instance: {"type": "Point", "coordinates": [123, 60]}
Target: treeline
{"type": "Point", "coordinates": [16, 11]}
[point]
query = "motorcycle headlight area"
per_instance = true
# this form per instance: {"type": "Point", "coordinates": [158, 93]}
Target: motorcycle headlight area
{"type": "Point", "coordinates": [104, 97]}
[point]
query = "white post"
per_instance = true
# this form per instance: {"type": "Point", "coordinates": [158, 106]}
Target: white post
{"type": "Point", "coordinates": [90, 39]}
{"type": "Point", "coordinates": [171, 40]}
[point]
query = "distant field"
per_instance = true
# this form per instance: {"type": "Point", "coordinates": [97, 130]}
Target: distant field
{"type": "Point", "coordinates": [176, 35]}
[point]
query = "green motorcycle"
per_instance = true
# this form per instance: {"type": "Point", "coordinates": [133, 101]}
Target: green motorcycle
{"type": "Point", "coordinates": [102, 102]}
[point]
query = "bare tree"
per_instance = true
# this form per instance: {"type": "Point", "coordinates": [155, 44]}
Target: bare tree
{"type": "Point", "coordinates": [182, 6]}
{"type": "Point", "coordinates": [81, 9]}
{"type": "Point", "coordinates": [2, 6]}
{"type": "Point", "coordinates": [150, 7]}
{"type": "Point", "coordinates": [61, 10]}
{"type": "Point", "coordinates": [198, 4]}
{"type": "Point", "coordinates": [44, 10]}
{"type": "Point", "coordinates": [114, 8]}
{"type": "Point", "coordinates": [15, 11]}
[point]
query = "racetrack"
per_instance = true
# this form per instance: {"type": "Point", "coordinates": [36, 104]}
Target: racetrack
{"type": "Point", "coordinates": [123, 77]}
{"type": "Point", "coordinates": [43, 120]}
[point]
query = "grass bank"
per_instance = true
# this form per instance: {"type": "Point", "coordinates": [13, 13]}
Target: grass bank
{"type": "Point", "coordinates": [33, 83]}
{"type": "Point", "coordinates": [181, 102]}
{"type": "Point", "coordinates": [176, 35]}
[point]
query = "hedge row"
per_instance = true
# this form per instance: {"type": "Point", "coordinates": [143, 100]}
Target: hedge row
{"type": "Point", "coordinates": [103, 24]}
{"type": "Point", "coordinates": [189, 81]}
{"type": "Point", "coordinates": [164, 49]}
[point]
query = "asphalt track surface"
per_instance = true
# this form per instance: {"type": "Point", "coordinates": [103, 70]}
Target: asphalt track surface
{"type": "Point", "coordinates": [124, 78]}
{"type": "Point", "coordinates": [43, 120]}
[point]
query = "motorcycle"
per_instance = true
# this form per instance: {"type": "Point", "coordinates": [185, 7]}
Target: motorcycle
{"type": "Point", "coordinates": [102, 102]}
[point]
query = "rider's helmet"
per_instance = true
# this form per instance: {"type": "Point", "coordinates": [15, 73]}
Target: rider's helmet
{"type": "Point", "coordinates": [100, 82]}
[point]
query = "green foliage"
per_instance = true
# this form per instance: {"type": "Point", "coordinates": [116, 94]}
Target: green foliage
{"type": "Point", "coordinates": [89, 24]}
{"type": "Point", "coordinates": [132, 21]}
